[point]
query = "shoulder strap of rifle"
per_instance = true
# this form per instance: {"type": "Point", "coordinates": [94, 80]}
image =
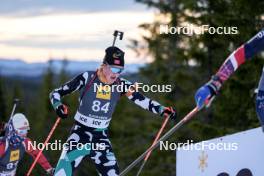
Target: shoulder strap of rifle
{"type": "Point", "coordinates": [88, 85]}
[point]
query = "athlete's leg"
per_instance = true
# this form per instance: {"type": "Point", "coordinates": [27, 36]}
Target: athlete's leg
{"type": "Point", "coordinates": [103, 156]}
{"type": "Point", "coordinates": [73, 154]}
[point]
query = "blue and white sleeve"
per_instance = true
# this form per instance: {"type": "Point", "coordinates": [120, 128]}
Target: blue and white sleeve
{"type": "Point", "coordinates": [73, 85]}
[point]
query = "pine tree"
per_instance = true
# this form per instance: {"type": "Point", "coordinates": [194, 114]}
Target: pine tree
{"type": "Point", "coordinates": [3, 107]}
{"type": "Point", "coordinates": [187, 62]}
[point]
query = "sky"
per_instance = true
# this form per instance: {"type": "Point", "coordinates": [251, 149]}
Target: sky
{"type": "Point", "coordinates": [36, 30]}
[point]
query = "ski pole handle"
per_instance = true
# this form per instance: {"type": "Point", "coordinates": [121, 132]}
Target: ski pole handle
{"type": "Point", "coordinates": [45, 143]}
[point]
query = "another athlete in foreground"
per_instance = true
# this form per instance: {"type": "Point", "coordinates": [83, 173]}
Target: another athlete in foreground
{"type": "Point", "coordinates": [207, 92]}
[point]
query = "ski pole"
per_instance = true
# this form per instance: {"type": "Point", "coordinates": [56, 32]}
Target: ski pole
{"type": "Point", "coordinates": [188, 117]}
{"type": "Point", "coordinates": [154, 142]}
{"type": "Point", "coordinates": [45, 143]}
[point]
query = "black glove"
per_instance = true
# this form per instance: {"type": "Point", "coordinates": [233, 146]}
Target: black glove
{"type": "Point", "coordinates": [169, 111]}
{"type": "Point", "coordinates": [62, 111]}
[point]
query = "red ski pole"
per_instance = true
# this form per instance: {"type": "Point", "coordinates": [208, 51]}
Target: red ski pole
{"type": "Point", "coordinates": [45, 143]}
{"type": "Point", "coordinates": [188, 117]}
{"type": "Point", "coordinates": [154, 142]}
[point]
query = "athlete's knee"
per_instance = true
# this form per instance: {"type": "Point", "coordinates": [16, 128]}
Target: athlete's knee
{"type": "Point", "coordinates": [63, 168]}
{"type": "Point", "coordinates": [112, 172]}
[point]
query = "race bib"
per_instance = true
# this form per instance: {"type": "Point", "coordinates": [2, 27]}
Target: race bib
{"type": "Point", "coordinates": [103, 92]}
{"type": "Point", "coordinates": [14, 156]}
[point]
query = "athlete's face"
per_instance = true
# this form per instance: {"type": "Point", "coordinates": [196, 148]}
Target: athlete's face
{"type": "Point", "coordinates": [22, 132]}
{"type": "Point", "coordinates": [111, 73]}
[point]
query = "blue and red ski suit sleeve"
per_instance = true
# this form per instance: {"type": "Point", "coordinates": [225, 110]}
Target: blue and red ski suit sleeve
{"type": "Point", "coordinates": [241, 55]}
